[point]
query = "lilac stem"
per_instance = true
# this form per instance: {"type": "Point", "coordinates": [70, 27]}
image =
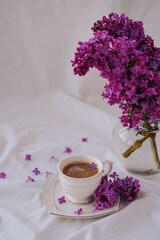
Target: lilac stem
{"type": "Point", "coordinates": [136, 144]}
{"type": "Point", "coordinates": [154, 149]}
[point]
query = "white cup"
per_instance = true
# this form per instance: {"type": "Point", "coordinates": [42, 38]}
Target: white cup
{"type": "Point", "coordinates": [81, 190]}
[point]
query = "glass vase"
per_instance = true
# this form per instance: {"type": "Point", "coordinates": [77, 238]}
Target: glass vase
{"type": "Point", "coordinates": [142, 160]}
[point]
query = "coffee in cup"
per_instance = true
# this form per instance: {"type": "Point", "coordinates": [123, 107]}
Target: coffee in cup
{"type": "Point", "coordinates": [80, 176]}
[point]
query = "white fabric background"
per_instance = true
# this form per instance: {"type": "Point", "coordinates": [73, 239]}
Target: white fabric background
{"type": "Point", "coordinates": [44, 108]}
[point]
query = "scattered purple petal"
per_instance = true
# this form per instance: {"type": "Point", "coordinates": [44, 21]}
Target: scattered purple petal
{"type": "Point", "coordinates": [36, 171]}
{"type": "Point", "coordinates": [62, 200]}
{"type": "Point", "coordinates": [30, 179]}
{"type": "Point", "coordinates": [97, 208]}
{"type": "Point", "coordinates": [28, 157]}
{"type": "Point", "coordinates": [79, 211]}
{"type": "Point", "coordinates": [84, 139]}
{"type": "Point", "coordinates": [113, 175]}
{"type": "Point", "coordinates": [3, 175]}
{"type": "Point", "coordinates": [48, 173]}
{"type": "Point", "coordinates": [52, 159]}
{"type": "Point", "coordinates": [68, 150]}
{"type": "Point", "coordinates": [93, 165]}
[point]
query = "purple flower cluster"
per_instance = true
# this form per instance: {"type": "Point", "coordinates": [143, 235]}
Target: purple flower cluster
{"type": "Point", "coordinates": [131, 64]}
{"type": "Point", "coordinates": [129, 188]}
{"type": "Point", "coordinates": [109, 190]}
{"type": "Point", "coordinates": [106, 195]}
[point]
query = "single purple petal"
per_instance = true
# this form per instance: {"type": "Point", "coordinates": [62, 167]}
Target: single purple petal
{"type": "Point", "coordinates": [84, 139]}
{"type": "Point", "coordinates": [3, 175]}
{"type": "Point", "coordinates": [52, 159]}
{"type": "Point", "coordinates": [79, 211]}
{"type": "Point", "coordinates": [48, 173]}
{"type": "Point", "coordinates": [30, 179]}
{"type": "Point", "coordinates": [28, 157]}
{"type": "Point", "coordinates": [97, 208]}
{"type": "Point", "coordinates": [93, 165]}
{"type": "Point", "coordinates": [36, 171]}
{"type": "Point", "coordinates": [113, 175]}
{"type": "Point", "coordinates": [62, 200]}
{"type": "Point", "coordinates": [68, 150]}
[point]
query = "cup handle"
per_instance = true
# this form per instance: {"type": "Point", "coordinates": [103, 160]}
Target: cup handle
{"type": "Point", "coordinates": [108, 169]}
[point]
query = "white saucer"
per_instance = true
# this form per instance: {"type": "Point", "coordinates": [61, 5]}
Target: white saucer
{"type": "Point", "coordinates": [53, 190]}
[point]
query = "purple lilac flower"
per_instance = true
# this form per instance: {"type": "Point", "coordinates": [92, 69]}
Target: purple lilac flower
{"type": "Point", "coordinates": [121, 26]}
{"type": "Point", "coordinates": [30, 179]}
{"type": "Point", "coordinates": [116, 182]}
{"type": "Point", "coordinates": [28, 157]}
{"type": "Point", "coordinates": [109, 190]}
{"type": "Point", "coordinates": [3, 175]}
{"type": "Point", "coordinates": [79, 211]}
{"type": "Point", "coordinates": [68, 150]}
{"type": "Point", "coordinates": [127, 58]}
{"type": "Point", "coordinates": [62, 200]}
{"type": "Point", "coordinates": [84, 139]}
{"type": "Point", "coordinates": [105, 194]}
{"type": "Point", "coordinates": [36, 171]}
{"type": "Point", "coordinates": [93, 165]}
{"type": "Point", "coordinates": [48, 173]}
{"type": "Point", "coordinates": [129, 188]}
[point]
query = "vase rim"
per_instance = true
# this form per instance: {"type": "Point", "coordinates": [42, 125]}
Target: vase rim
{"type": "Point", "coordinates": [131, 129]}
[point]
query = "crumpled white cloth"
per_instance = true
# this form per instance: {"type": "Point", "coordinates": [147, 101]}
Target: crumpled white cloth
{"type": "Point", "coordinates": [44, 108]}
{"type": "Point", "coordinates": [44, 130]}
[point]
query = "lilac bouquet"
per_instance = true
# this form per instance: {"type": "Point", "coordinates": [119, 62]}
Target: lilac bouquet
{"type": "Point", "coordinates": [112, 187]}
{"type": "Point", "coordinates": [130, 62]}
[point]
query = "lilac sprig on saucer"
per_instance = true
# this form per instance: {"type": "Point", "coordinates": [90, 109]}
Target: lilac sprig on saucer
{"type": "Point", "coordinates": [111, 188]}
{"type": "Point", "coordinates": [79, 211]}
{"type": "Point", "coordinates": [106, 194]}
